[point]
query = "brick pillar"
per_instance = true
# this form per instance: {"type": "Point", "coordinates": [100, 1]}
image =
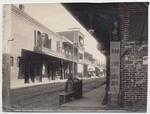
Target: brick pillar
{"type": "Point", "coordinates": [133, 69]}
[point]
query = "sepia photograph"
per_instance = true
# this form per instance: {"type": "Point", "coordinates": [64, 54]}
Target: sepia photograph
{"type": "Point", "coordinates": [75, 57]}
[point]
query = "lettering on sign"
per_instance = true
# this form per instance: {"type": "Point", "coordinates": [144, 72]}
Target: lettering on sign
{"type": "Point", "coordinates": [115, 51]}
{"type": "Point", "coordinates": [115, 63]}
{"type": "Point", "coordinates": [114, 83]}
{"type": "Point", "coordinates": [115, 66]}
{"type": "Point", "coordinates": [114, 76]}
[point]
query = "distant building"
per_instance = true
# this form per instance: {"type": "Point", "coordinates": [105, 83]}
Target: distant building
{"type": "Point", "coordinates": [78, 41]}
{"type": "Point", "coordinates": [85, 62]}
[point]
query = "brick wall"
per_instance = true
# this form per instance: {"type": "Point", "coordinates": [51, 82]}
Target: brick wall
{"type": "Point", "coordinates": [133, 70]}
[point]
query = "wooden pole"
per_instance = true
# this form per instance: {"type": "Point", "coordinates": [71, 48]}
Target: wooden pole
{"type": "Point", "coordinates": [73, 49]}
{"type": "Point", "coordinates": [7, 39]}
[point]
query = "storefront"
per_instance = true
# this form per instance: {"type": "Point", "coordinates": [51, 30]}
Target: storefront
{"type": "Point", "coordinates": [36, 66]}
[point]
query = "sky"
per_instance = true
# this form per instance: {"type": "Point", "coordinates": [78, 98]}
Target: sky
{"type": "Point", "coordinates": [55, 17]}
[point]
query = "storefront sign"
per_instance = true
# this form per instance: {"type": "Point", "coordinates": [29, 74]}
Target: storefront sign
{"type": "Point", "coordinates": [114, 67]}
{"type": "Point", "coordinates": [114, 63]}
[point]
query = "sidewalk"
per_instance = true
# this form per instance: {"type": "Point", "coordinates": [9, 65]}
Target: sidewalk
{"type": "Point", "coordinates": [20, 82]}
{"type": "Point", "coordinates": [91, 102]}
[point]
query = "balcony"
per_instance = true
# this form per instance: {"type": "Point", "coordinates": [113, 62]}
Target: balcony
{"type": "Point", "coordinates": [86, 61]}
{"type": "Point", "coordinates": [68, 56]}
{"type": "Point", "coordinates": [52, 52]}
{"type": "Point", "coordinates": [60, 54]}
{"type": "Point", "coordinates": [76, 58]}
{"type": "Point", "coordinates": [80, 61]}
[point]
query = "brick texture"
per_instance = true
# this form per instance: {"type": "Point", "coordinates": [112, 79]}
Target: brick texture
{"type": "Point", "coordinates": [133, 72]}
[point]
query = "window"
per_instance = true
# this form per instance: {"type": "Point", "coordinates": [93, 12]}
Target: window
{"type": "Point", "coordinates": [39, 39]}
{"type": "Point", "coordinates": [76, 51]}
{"type": "Point", "coordinates": [81, 41]}
{"type": "Point", "coordinates": [58, 46]}
{"type": "Point", "coordinates": [18, 61]}
{"type": "Point", "coordinates": [54, 45]}
{"type": "Point", "coordinates": [80, 56]}
{"type": "Point", "coordinates": [63, 48]}
{"type": "Point", "coordinates": [35, 39]}
{"type": "Point", "coordinates": [47, 41]}
{"type": "Point", "coordinates": [11, 60]}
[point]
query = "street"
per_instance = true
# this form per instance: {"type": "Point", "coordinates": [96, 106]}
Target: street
{"type": "Point", "coordinates": [45, 97]}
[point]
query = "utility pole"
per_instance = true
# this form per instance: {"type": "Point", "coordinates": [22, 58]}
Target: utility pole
{"type": "Point", "coordinates": [73, 48]}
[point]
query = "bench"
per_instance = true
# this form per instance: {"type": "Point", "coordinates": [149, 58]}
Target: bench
{"type": "Point", "coordinates": [65, 97]}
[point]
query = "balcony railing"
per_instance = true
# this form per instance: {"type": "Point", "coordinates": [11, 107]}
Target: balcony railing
{"type": "Point", "coordinates": [80, 60]}
{"type": "Point", "coordinates": [57, 54]}
{"type": "Point", "coordinates": [53, 53]}
{"type": "Point", "coordinates": [68, 56]}
{"type": "Point", "coordinates": [76, 58]}
{"type": "Point", "coordinates": [87, 61]}
{"type": "Point", "coordinates": [64, 55]}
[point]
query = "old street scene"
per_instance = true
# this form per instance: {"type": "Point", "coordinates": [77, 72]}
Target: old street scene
{"type": "Point", "coordinates": [80, 57]}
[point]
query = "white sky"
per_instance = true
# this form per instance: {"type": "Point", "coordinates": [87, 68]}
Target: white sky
{"type": "Point", "coordinates": [57, 18]}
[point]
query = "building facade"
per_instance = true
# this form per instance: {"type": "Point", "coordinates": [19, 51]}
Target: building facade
{"type": "Point", "coordinates": [85, 61]}
{"type": "Point", "coordinates": [38, 54]}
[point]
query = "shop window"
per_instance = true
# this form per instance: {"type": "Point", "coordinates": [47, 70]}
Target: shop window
{"type": "Point", "coordinates": [12, 60]}
{"type": "Point", "coordinates": [18, 61]}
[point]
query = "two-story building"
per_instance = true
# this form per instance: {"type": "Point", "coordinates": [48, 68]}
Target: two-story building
{"type": "Point", "coordinates": [84, 61]}
{"type": "Point", "coordinates": [78, 46]}
{"type": "Point", "coordinates": [37, 53]}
